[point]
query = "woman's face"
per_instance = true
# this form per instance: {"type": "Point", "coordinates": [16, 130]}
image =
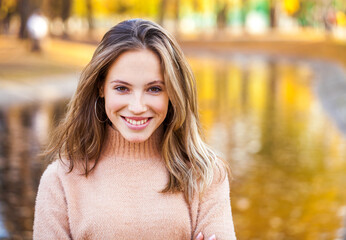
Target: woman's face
{"type": "Point", "coordinates": [136, 99]}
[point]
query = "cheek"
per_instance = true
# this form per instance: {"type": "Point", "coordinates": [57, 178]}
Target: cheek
{"type": "Point", "coordinates": [113, 104]}
{"type": "Point", "coordinates": [161, 106]}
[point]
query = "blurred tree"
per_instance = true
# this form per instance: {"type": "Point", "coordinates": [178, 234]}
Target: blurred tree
{"type": "Point", "coordinates": [221, 13]}
{"type": "Point", "coordinates": [257, 18]}
{"type": "Point", "coordinates": [339, 4]}
{"type": "Point", "coordinates": [168, 9]}
{"type": "Point", "coordinates": [261, 6]}
{"type": "Point", "coordinates": [51, 8]}
{"type": "Point", "coordinates": [90, 15]}
{"type": "Point", "coordinates": [3, 13]}
{"type": "Point", "coordinates": [65, 14]}
{"type": "Point", "coordinates": [176, 16]}
{"type": "Point", "coordinates": [58, 9]}
{"type": "Point", "coordinates": [162, 10]}
{"type": "Point", "coordinates": [24, 10]}
{"type": "Point", "coordinates": [123, 7]}
{"type": "Point", "coordinates": [291, 7]}
{"type": "Point", "coordinates": [329, 19]}
{"type": "Point", "coordinates": [273, 13]}
{"type": "Point", "coordinates": [236, 13]}
{"type": "Point", "coordinates": [7, 10]}
{"type": "Point", "coordinates": [306, 12]}
{"type": "Point", "coordinates": [198, 5]}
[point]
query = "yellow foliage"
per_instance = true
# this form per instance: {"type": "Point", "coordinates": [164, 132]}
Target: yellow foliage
{"type": "Point", "coordinates": [6, 4]}
{"type": "Point", "coordinates": [108, 8]}
{"type": "Point", "coordinates": [341, 19]}
{"type": "Point", "coordinates": [235, 3]}
{"type": "Point", "coordinates": [291, 6]}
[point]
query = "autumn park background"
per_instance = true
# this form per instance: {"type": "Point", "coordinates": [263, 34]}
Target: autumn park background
{"type": "Point", "coordinates": [271, 85]}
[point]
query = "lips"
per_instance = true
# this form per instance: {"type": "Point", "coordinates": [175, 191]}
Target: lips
{"type": "Point", "coordinates": [136, 121]}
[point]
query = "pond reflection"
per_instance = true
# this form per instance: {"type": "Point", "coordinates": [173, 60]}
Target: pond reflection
{"type": "Point", "coordinates": [288, 159]}
{"type": "Point", "coordinates": [23, 133]}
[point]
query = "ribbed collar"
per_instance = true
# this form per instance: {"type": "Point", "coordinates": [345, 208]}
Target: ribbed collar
{"type": "Point", "coordinates": [117, 146]}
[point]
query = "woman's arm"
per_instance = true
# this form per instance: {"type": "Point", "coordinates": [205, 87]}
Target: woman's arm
{"type": "Point", "coordinates": [51, 220]}
{"type": "Point", "coordinates": [214, 211]}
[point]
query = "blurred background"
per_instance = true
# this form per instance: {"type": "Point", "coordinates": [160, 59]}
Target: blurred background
{"type": "Point", "coordinates": [272, 94]}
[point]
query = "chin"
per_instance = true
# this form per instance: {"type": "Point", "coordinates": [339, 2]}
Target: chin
{"type": "Point", "coordinates": [135, 139]}
{"type": "Point", "coordinates": [133, 135]}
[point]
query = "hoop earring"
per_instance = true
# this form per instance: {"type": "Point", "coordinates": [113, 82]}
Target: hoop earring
{"type": "Point", "coordinates": [96, 112]}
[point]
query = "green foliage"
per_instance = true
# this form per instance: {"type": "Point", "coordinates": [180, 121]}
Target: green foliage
{"type": "Point", "coordinates": [262, 6]}
{"type": "Point", "coordinates": [339, 5]}
{"type": "Point", "coordinates": [305, 15]}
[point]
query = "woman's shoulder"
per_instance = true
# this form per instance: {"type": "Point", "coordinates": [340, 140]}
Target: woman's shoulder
{"type": "Point", "coordinates": [221, 170]}
{"type": "Point", "coordinates": [54, 170]}
{"type": "Point", "coordinates": [220, 178]}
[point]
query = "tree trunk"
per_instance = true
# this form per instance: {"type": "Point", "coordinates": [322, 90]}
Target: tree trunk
{"type": "Point", "coordinates": [244, 7]}
{"type": "Point", "coordinates": [162, 11]}
{"type": "Point", "coordinates": [90, 15]}
{"type": "Point", "coordinates": [24, 12]}
{"type": "Point", "coordinates": [65, 14]}
{"type": "Point", "coordinates": [221, 12]}
{"type": "Point", "coordinates": [176, 17]}
{"type": "Point", "coordinates": [66, 9]}
{"type": "Point", "coordinates": [273, 20]}
{"type": "Point", "coordinates": [2, 23]}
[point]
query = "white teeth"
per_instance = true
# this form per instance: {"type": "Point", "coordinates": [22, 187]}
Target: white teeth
{"type": "Point", "coordinates": [134, 122]}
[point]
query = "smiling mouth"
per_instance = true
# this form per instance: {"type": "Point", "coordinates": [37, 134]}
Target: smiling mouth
{"type": "Point", "coordinates": [136, 122]}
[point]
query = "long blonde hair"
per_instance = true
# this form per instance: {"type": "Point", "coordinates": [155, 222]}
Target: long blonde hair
{"type": "Point", "coordinates": [80, 136]}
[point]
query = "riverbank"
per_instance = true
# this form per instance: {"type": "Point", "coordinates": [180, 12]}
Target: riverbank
{"type": "Point", "coordinates": [72, 54]}
{"type": "Point", "coordinates": [27, 76]}
{"type": "Point", "coordinates": [30, 76]}
{"type": "Point", "coordinates": [316, 50]}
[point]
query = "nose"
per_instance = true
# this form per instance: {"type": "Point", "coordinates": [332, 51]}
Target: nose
{"type": "Point", "coordinates": [137, 105]}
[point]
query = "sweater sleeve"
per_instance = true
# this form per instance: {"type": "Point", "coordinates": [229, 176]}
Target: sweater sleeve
{"type": "Point", "coordinates": [214, 210]}
{"type": "Point", "coordinates": [51, 220]}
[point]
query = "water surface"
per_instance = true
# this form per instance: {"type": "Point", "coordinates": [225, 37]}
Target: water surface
{"type": "Point", "coordinates": [287, 156]}
{"type": "Point", "coordinates": [263, 116]}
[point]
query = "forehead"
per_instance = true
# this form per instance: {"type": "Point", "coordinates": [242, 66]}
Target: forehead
{"type": "Point", "coordinates": [136, 66]}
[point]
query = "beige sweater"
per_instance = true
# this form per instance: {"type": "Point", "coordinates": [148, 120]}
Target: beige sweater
{"type": "Point", "coordinates": [120, 199]}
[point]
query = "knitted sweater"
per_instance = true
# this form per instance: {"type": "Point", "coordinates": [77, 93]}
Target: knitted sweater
{"type": "Point", "coordinates": [120, 199]}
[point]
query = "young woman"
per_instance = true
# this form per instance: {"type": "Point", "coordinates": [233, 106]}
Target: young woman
{"type": "Point", "coordinates": [132, 164]}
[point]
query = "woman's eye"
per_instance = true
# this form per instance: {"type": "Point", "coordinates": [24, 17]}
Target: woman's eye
{"type": "Point", "coordinates": [121, 89]}
{"type": "Point", "coordinates": [155, 89]}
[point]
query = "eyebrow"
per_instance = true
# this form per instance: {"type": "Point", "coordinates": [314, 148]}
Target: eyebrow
{"type": "Point", "coordinates": [156, 82]}
{"type": "Point", "coordinates": [128, 84]}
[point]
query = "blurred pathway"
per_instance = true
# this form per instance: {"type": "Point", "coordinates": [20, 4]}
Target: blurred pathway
{"type": "Point", "coordinates": [43, 89]}
{"type": "Point", "coordinates": [27, 77]}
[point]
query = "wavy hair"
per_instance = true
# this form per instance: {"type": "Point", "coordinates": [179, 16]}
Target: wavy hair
{"type": "Point", "coordinates": [80, 136]}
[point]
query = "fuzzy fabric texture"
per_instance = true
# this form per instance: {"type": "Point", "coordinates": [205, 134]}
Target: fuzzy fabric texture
{"type": "Point", "coordinates": [121, 199]}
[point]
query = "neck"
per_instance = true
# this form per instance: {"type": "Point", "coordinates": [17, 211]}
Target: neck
{"type": "Point", "coordinates": [117, 146]}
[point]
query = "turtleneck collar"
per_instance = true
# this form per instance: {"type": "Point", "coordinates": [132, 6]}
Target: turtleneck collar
{"type": "Point", "coordinates": [117, 146]}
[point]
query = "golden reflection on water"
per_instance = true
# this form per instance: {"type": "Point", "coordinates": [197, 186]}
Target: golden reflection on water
{"type": "Point", "coordinates": [24, 130]}
{"type": "Point", "coordinates": [287, 157]}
